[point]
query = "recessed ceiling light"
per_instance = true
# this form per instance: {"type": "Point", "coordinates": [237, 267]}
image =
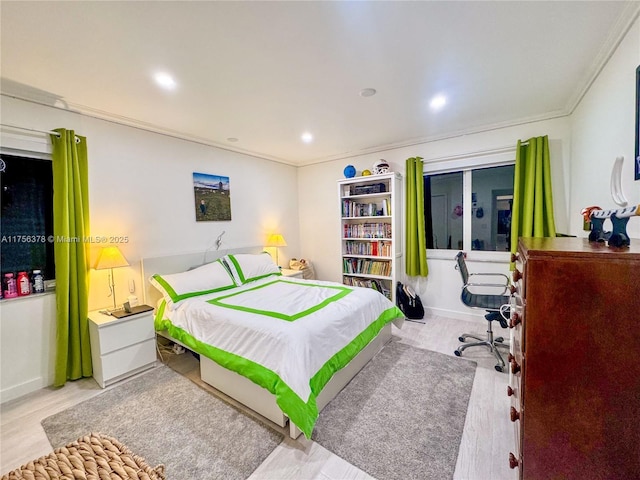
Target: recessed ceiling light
{"type": "Point", "coordinates": [165, 80]}
{"type": "Point", "coordinates": [368, 92]}
{"type": "Point", "coordinates": [307, 137]}
{"type": "Point", "coordinates": [232, 139]}
{"type": "Point", "coordinates": [438, 102]}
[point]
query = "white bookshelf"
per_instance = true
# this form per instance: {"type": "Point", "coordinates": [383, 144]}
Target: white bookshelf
{"type": "Point", "coordinates": [371, 237]}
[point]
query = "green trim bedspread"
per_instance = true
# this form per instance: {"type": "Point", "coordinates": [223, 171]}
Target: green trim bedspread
{"type": "Point", "coordinates": [286, 335]}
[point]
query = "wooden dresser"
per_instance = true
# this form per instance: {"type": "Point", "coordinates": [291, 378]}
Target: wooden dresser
{"type": "Point", "coordinates": [575, 360]}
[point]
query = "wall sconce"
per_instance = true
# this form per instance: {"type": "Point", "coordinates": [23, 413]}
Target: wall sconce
{"type": "Point", "coordinates": [219, 240]}
{"type": "Point", "coordinates": [217, 244]}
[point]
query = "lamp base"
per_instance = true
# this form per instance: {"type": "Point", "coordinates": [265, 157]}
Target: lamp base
{"type": "Point", "coordinates": [112, 293]}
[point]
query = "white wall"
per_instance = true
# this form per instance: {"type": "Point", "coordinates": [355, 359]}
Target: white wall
{"type": "Point", "coordinates": [27, 341]}
{"type": "Point", "coordinates": [141, 186]}
{"type": "Point", "coordinates": [320, 207]}
{"type": "Point", "coordinates": [147, 193]}
{"type": "Point", "coordinates": [603, 127]}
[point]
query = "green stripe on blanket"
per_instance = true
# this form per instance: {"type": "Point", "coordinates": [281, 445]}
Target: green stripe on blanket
{"type": "Point", "coordinates": [302, 414]}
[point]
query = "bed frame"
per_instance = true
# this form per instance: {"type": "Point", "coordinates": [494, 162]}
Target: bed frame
{"type": "Point", "coordinates": [232, 384]}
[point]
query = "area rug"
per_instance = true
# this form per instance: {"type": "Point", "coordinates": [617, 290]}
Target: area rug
{"type": "Point", "coordinates": [402, 416]}
{"type": "Point", "coordinates": [166, 418]}
{"type": "Point", "coordinates": [94, 456]}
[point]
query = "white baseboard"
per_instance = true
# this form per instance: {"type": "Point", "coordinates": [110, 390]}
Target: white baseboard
{"type": "Point", "coordinates": [22, 389]}
{"type": "Point", "coordinates": [455, 314]}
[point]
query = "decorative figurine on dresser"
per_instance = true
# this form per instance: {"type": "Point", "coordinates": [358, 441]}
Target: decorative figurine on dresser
{"type": "Point", "coordinates": [574, 373]}
{"type": "Point", "coordinates": [617, 237]}
{"type": "Point", "coordinates": [594, 217]}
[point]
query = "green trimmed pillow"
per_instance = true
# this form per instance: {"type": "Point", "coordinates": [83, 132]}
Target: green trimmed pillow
{"type": "Point", "coordinates": [248, 267]}
{"type": "Point", "coordinates": [209, 278]}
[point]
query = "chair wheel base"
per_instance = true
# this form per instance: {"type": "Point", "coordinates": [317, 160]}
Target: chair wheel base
{"type": "Point", "coordinates": [462, 339]}
{"type": "Point", "coordinates": [457, 353]}
{"type": "Point", "coordinates": [499, 368]}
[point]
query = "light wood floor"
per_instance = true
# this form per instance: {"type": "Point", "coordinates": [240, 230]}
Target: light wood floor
{"type": "Point", "coordinates": [487, 439]}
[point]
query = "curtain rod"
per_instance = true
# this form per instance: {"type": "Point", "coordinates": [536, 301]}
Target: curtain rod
{"type": "Point", "coordinates": [46, 132]}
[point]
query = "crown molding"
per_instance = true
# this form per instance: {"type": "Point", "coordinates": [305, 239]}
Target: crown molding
{"type": "Point", "coordinates": [625, 21]}
{"type": "Point", "coordinates": [140, 125]}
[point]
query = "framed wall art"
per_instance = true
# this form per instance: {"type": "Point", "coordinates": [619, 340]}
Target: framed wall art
{"type": "Point", "coordinates": [212, 197]}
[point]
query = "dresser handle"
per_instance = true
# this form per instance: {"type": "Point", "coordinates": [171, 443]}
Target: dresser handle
{"type": "Point", "coordinates": [515, 319]}
{"type": "Point", "coordinates": [514, 414]}
{"type": "Point", "coordinates": [513, 461]}
{"type": "Point", "coordinates": [516, 275]}
{"type": "Point", "coordinates": [513, 289]}
{"type": "Point", "coordinates": [510, 391]}
{"type": "Point", "coordinates": [515, 368]}
{"type": "Point", "coordinates": [514, 257]}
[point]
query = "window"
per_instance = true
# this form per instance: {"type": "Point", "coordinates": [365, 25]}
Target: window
{"type": "Point", "coordinates": [469, 209]}
{"type": "Point", "coordinates": [445, 206]}
{"type": "Point", "coordinates": [26, 223]}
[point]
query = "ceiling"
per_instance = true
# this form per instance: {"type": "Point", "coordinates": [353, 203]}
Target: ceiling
{"type": "Point", "coordinates": [264, 73]}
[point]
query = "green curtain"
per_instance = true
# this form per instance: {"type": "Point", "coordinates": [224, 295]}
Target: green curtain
{"type": "Point", "coordinates": [532, 212]}
{"type": "Point", "coordinates": [416, 245]}
{"type": "Point", "coordinates": [71, 253]}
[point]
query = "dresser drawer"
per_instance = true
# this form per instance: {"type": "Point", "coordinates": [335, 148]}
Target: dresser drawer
{"type": "Point", "coordinates": [127, 360]}
{"type": "Point", "coordinates": [127, 331]}
{"type": "Point", "coordinates": [517, 276]}
{"type": "Point", "coordinates": [516, 414]}
{"type": "Point", "coordinates": [515, 457]}
{"type": "Point", "coordinates": [516, 325]}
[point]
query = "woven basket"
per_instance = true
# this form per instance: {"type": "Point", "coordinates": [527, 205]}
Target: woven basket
{"type": "Point", "coordinates": [92, 457]}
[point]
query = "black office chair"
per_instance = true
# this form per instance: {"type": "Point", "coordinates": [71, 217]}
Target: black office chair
{"type": "Point", "coordinates": [496, 305]}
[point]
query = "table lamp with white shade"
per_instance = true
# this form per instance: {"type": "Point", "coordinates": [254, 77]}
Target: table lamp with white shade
{"type": "Point", "coordinates": [111, 257]}
{"type": "Point", "coordinates": [276, 240]}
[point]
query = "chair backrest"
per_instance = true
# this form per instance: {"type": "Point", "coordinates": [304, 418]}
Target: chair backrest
{"type": "Point", "coordinates": [486, 301]}
{"type": "Point", "coordinates": [461, 266]}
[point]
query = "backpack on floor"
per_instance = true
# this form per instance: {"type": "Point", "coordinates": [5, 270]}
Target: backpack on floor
{"type": "Point", "coordinates": [409, 302]}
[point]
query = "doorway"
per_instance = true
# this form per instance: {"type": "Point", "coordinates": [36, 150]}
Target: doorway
{"type": "Point", "coordinates": [501, 219]}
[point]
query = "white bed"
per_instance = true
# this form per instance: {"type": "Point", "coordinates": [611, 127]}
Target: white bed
{"type": "Point", "coordinates": [223, 325]}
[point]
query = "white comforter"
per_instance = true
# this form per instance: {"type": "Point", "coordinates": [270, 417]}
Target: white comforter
{"type": "Point", "coordinates": [297, 329]}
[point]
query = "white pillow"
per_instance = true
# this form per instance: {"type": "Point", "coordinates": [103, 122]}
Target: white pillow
{"type": "Point", "coordinates": [208, 278]}
{"type": "Point", "coordinates": [247, 267]}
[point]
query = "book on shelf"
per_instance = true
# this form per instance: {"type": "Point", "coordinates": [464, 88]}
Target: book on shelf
{"type": "Point", "coordinates": [380, 248]}
{"type": "Point", "coordinates": [367, 230]}
{"type": "Point", "coordinates": [366, 266]}
{"type": "Point", "coordinates": [351, 208]}
{"type": "Point", "coordinates": [368, 283]}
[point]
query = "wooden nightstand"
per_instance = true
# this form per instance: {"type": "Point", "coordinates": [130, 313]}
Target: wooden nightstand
{"type": "Point", "coordinates": [121, 347]}
{"type": "Point", "coordinates": [291, 273]}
